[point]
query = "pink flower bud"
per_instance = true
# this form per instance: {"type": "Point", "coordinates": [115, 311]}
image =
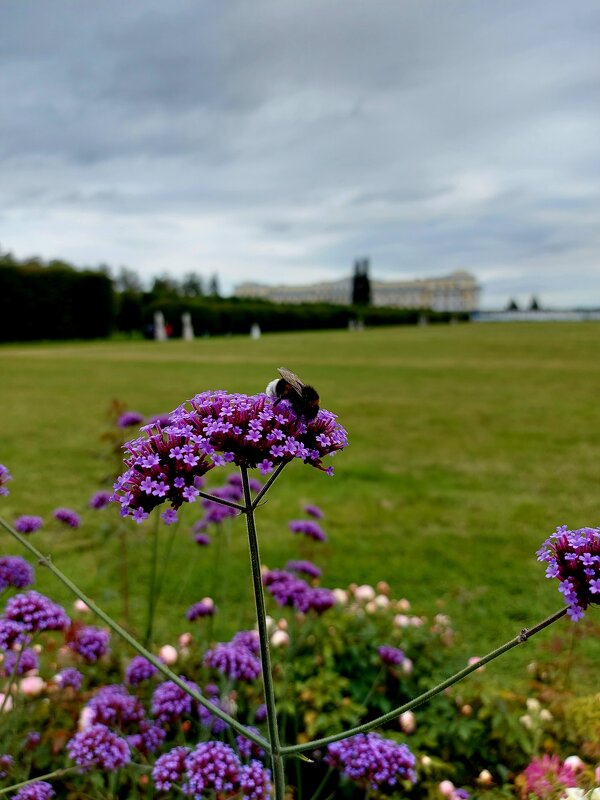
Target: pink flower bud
{"type": "Point", "coordinates": [575, 763]}
{"type": "Point", "coordinates": [168, 654]}
{"type": "Point", "coordinates": [364, 593]}
{"type": "Point", "coordinates": [280, 638]}
{"type": "Point", "coordinates": [475, 660]}
{"type": "Point", "coordinates": [80, 606]}
{"type": "Point", "coordinates": [32, 685]}
{"type": "Point", "coordinates": [185, 640]}
{"type": "Point", "coordinates": [383, 587]}
{"type": "Point", "coordinates": [407, 666]}
{"type": "Point", "coordinates": [6, 702]}
{"type": "Point", "coordinates": [408, 722]}
{"type": "Point", "coordinates": [446, 788]}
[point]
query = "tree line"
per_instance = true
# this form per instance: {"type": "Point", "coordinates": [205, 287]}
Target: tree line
{"type": "Point", "coordinates": [55, 300]}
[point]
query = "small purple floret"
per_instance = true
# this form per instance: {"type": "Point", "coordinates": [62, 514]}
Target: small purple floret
{"type": "Point", "coordinates": [392, 656]}
{"type": "Point", "coordinates": [130, 418]}
{"type": "Point", "coordinates": [314, 511]}
{"type": "Point", "coordinates": [70, 677]}
{"type": "Point", "coordinates": [100, 500]}
{"type": "Point", "coordinates": [308, 528]}
{"type": "Point", "coordinates": [28, 523]}
{"type": "Point", "coordinates": [68, 516]}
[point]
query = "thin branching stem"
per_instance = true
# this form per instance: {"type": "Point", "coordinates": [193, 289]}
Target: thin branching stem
{"type": "Point", "coordinates": [263, 635]}
{"type": "Point", "coordinates": [58, 773]}
{"type": "Point", "coordinates": [222, 501]}
{"type": "Point", "coordinates": [522, 637]}
{"type": "Point", "coordinates": [113, 625]}
{"type": "Point", "coordinates": [268, 484]}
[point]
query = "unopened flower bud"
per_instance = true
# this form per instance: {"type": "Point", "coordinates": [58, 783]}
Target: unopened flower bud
{"type": "Point", "coordinates": [446, 788]}
{"type": "Point", "coordinates": [533, 704]}
{"type": "Point", "coordinates": [6, 702]}
{"type": "Point", "coordinates": [382, 601]}
{"type": "Point", "coordinates": [185, 640]}
{"type": "Point", "coordinates": [408, 722]}
{"type": "Point", "coordinates": [526, 721]}
{"type": "Point", "coordinates": [546, 715]}
{"type": "Point", "coordinates": [425, 761]}
{"type": "Point", "coordinates": [32, 685]}
{"type": "Point", "coordinates": [280, 638]}
{"type": "Point", "coordinates": [407, 666]}
{"type": "Point", "coordinates": [485, 778]}
{"type": "Point", "coordinates": [403, 605]}
{"type": "Point", "coordinates": [341, 596]}
{"type": "Point", "coordinates": [383, 587]}
{"type": "Point", "coordinates": [371, 607]}
{"type": "Point", "coordinates": [401, 620]}
{"type": "Point", "coordinates": [282, 624]}
{"type": "Point", "coordinates": [168, 654]}
{"type": "Point", "coordinates": [575, 763]}
{"type": "Point", "coordinates": [364, 593]}
{"type": "Point", "coordinates": [80, 606]}
{"type": "Point", "coordinates": [466, 710]}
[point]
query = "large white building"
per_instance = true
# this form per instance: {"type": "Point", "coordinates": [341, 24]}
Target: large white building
{"type": "Point", "coordinates": [458, 291]}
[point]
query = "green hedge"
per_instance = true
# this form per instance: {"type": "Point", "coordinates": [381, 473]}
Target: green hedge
{"type": "Point", "coordinates": [53, 302]}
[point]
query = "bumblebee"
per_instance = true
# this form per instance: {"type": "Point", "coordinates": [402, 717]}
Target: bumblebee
{"type": "Point", "coordinates": [303, 399]}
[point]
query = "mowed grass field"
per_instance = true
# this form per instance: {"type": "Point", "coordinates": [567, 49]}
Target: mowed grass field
{"type": "Point", "coordinates": [469, 444]}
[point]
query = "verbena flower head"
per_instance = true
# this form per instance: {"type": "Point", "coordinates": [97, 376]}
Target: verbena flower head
{"type": "Point", "coordinates": [255, 781]}
{"type": "Point", "coordinates": [314, 511]}
{"type": "Point", "coordinates": [5, 477]}
{"type": "Point", "coordinates": [392, 656]}
{"type": "Point", "coordinates": [204, 608]}
{"type": "Point", "coordinates": [12, 633]}
{"type": "Point", "coordinates": [372, 761]}
{"type": "Point", "coordinates": [546, 775]}
{"type": "Point", "coordinates": [150, 737]}
{"type": "Point", "coordinates": [97, 746]}
{"type": "Point", "coordinates": [129, 419]}
{"type": "Point", "coordinates": [20, 663]}
{"type": "Point", "coordinates": [38, 790]}
{"type": "Point", "coordinates": [169, 768]}
{"type": "Point", "coordinates": [573, 557]}
{"type": "Point", "coordinates": [89, 642]}
{"type": "Point", "coordinates": [212, 765]}
{"type": "Point", "coordinates": [170, 702]}
{"type": "Point", "coordinates": [36, 612]}
{"type": "Point", "coordinates": [100, 499]}
{"type": "Point", "coordinates": [28, 523]}
{"type": "Point", "coordinates": [70, 677]}
{"type": "Point", "coordinates": [68, 516]}
{"type": "Point", "coordinates": [213, 429]}
{"type": "Point", "coordinates": [304, 567]}
{"type": "Point", "coordinates": [114, 706]}
{"type": "Point", "coordinates": [289, 590]}
{"type": "Point", "coordinates": [139, 670]}
{"type": "Point", "coordinates": [15, 571]}
{"type": "Point", "coordinates": [234, 659]}
{"type": "Point", "coordinates": [308, 528]}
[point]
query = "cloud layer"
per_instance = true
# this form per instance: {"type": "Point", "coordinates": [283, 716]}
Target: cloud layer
{"type": "Point", "coordinates": [278, 141]}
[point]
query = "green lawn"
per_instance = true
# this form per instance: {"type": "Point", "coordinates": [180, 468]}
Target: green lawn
{"type": "Point", "coordinates": [469, 444]}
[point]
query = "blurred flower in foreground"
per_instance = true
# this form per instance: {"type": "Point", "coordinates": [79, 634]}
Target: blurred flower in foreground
{"type": "Point", "coordinates": [546, 775]}
{"type": "Point", "coordinates": [372, 761]}
{"type": "Point", "coordinates": [214, 429]}
{"type": "Point", "coordinates": [574, 558]}
{"type": "Point", "coordinates": [28, 523]}
{"type": "Point", "coordinates": [68, 516]}
{"type": "Point", "coordinates": [5, 477]}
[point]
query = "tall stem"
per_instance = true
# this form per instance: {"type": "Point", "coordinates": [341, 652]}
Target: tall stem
{"type": "Point", "coordinates": [263, 635]}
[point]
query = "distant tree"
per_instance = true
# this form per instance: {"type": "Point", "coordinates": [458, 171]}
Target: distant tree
{"type": "Point", "coordinates": [164, 288]}
{"type": "Point", "coordinates": [127, 280]}
{"type": "Point", "coordinates": [512, 305]}
{"type": "Point", "coordinates": [213, 286]}
{"type": "Point", "coordinates": [534, 305]}
{"type": "Point", "coordinates": [361, 284]}
{"type": "Point", "coordinates": [192, 285]}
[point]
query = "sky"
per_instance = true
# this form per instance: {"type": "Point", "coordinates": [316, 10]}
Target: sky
{"type": "Point", "coordinates": [279, 141]}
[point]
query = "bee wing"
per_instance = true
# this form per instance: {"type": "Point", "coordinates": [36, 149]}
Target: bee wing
{"type": "Point", "coordinates": [291, 378]}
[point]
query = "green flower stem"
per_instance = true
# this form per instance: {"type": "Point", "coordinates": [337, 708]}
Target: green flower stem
{"type": "Point", "coordinates": [47, 562]}
{"type": "Point", "coordinates": [58, 773]}
{"type": "Point", "coordinates": [268, 484]}
{"type": "Point", "coordinates": [222, 501]}
{"type": "Point", "coordinates": [263, 634]}
{"type": "Point", "coordinates": [152, 584]}
{"type": "Point", "coordinates": [523, 636]}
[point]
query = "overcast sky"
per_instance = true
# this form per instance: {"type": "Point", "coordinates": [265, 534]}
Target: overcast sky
{"type": "Point", "coordinates": [278, 140]}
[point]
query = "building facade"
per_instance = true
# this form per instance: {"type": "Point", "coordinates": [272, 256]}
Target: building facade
{"type": "Point", "coordinates": [458, 291]}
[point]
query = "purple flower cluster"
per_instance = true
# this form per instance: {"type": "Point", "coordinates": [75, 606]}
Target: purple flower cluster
{"type": "Point", "coordinates": [5, 477]}
{"type": "Point", "coordinates": [392, 656]}
{"type": "Point", "coordinates": [248, 639]}
{"type": "Point", "coordinates": [139, 670]}
{"type": "Point", "coordinates": [204, 608]}
{"type": "Point", "coordinates": [214, 429]}
{"type": "Point", "coordinates": [372, 761]}
{"type": "Point", "coordinates": [15, 571]}
{"type": "Point", "coordinates": [12, 633]}
{"type": "Point", "coordinates": [308, 528]}
{"type": "Point", "coordinates": [247, 748]}
{"type": "Point", "coordinates": [149, 737]}
{"type": "Point", "coordinates": [28, 523]}
{"type": "Point", "coordinates": [36, 612]}
{"type": "Point", "coordinates": [89, 642]}
{"type": "Point", "coordinates": [68, 516]}
{"type": "Point", "coordinates": [100, 499]}
{"type": "Point", "coordinates": [314, 511]}
{"type": "Point", "coordinates": [97, 746]}
{"type": "Point", "coordinates": [70, 677]}
{"type": "Point", "coordinates": [288, 590]}
{"type": "Point", "coordinates": [169, 768]}
{"type": "Point", "coordinates": [20, 663]}
{"type": "Point", "coordinates": [129, 419]}
{"type": "Point", "coordinates": [574, 558]}
{"type": "Point", "coordinates": [114, 706]}
{"type": "Point", "coordinates": [170, 702]}
{"type": "Point", "coordinates": [235, 659]}
{"type": "Point", "coordinates": [38, 790]}
{"type": "Point", "coordinates": [211, 768]}
{"type": "Point", "coordinates": [304, 568]}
